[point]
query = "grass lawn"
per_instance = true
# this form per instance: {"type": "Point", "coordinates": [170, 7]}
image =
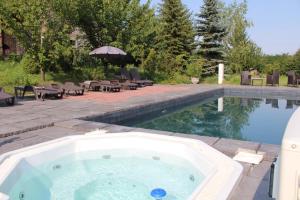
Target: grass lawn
{"type": "Point", "coordinates": [234, 79]}
{"type": "Point", "coordinates": [12, 74]}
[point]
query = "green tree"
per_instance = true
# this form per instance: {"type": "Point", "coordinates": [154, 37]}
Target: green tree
{"type": "Point", "coordinates": [176, 33]}
{"type": "Point", "coordinates": [242, 53]}
{"type": "Point", "coordinates": [128, 25]}
{"type": "Point", "coordinates": [297, 60]}
{"type": "Point", "coordinates": [281, 63]}
{"type": "Point", "coordinates": [211, 33]}
{"type": "Point", "coordinates": [39, 30]}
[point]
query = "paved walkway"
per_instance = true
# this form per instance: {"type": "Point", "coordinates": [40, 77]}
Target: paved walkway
{"type": "Point", "coordinates": [33, 115]}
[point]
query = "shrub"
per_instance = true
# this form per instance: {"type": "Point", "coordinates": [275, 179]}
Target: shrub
{"type": "Point", "coordinates": [150, 64]}
{"type": "Point", "coordinates": [177, 78]}
{"type": "Point", "coordinates": [194, 68]}
{"type": "Point", "coordinates": [13, 74]}
{"type": "Point", "coordinates": [93, 73]}
{"type": "Point", "coordinates": [29, 65]}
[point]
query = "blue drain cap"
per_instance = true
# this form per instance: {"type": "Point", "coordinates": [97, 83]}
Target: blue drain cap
{"type": "Point", "coordinates": [158, 193]}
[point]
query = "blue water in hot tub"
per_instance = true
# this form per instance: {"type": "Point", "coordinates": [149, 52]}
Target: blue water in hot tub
{"type": "Point", "coordinates": [109, 175]}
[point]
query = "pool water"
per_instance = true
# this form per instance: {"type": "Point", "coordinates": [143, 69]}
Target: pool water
{"type": "Point", "coordinates": [260, 120]}
{"type": "Point", "coordinates": [109, 175]}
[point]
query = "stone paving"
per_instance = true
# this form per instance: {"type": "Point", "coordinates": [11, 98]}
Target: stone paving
{"type": "Point", "coordinates": [33, 115]}
{"type": "Point", "coordinates": [31, 122]}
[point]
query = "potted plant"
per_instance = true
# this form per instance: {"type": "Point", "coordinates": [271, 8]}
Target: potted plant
{"type": "Point", "coordinates": [194, 70]}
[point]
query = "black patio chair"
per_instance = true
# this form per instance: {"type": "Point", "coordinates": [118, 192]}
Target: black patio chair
{"type": "Point", "coordinates": [273, 79]}
{"type": "Point", "coordinates": [293, 78]}
{"type": "Point", "coordinates": [7, 98]}
{"type": "Point", "coordinates": [245, 78]}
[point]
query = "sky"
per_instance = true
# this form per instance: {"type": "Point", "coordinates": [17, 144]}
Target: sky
{"type": "Point", "coordinates": [276, 23]}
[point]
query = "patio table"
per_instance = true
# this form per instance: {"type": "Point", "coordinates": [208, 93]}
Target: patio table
{"type": "Point", "coordinates": [257, 79]}
{"type": "Point", "coordinates": [21, 90]}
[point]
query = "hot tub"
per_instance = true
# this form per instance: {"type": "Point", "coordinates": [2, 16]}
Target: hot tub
{"type": "Point", "coordinates": [120, 166]}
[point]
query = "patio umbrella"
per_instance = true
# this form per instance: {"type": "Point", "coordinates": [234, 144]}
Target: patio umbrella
{"type": "Point", "coordinates": [112, 55]}
{"type": "Point", "coordinates": [107, 52]}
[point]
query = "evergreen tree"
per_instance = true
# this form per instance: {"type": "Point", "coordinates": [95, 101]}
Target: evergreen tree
{"type": "Point", "coordinates": [211, 32]}
{"type": "Point", "coordinates": [176, 36]}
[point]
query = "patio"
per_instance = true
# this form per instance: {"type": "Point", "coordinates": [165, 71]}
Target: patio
{"type": "Point", "coordinates": [31, 122]}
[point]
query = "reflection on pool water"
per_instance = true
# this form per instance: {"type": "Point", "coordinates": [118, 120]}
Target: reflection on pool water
{"type": "Point", "coordinates": [261, 120]}
{"type": "Point", "coordinates": [108, 175]}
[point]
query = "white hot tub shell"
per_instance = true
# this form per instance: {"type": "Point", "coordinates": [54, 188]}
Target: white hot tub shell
{"type": "Point", "coordinates": [221, 172]}
{"type": "Point", "coordinates": [286, 182]}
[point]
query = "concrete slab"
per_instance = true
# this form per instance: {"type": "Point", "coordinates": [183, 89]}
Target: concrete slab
{"type": "Point", "coordinates": [230, 147]}
{"type": "Point", "coordinates": [57, 132]}
{"type": "Point", "coordinates": [247, 189]}
{"type": "Point", "coordinates": [262, 191]}
{"type": "Point", "coordinates": [246, 168]}
{"type": "Point", "coordinates": [90, 126]}
{"type": "Point", "coordinates": [271, 151]}
{"type": "Point", "coordinates": [11, 146]}
{"type": "Point", "coordinates": [91, 104]}
{"type": "Point", "coordinates": [8, 130]}
{"type": "Point", "coordinates": [208, 140]}
{"type": "Point", "coordinates": [69, 123]}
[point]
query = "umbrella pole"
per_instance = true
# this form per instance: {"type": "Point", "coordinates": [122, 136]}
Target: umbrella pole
{"type": "Point", "coordinates": [105, 68]}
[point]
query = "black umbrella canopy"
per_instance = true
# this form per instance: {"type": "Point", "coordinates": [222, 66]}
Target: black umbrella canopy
{"type": "Point", "coordinates": [113, 55]}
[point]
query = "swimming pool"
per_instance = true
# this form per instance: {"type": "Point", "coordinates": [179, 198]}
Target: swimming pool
{"type": "Point", "coordinates": [121, 166]}
{"type": "Point", "coordinates": [253, 119]}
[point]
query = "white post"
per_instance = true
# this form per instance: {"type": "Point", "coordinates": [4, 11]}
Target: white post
{"type": "Point", "coordinates": [220, 104]}
{"type": "Point", "coordinates": [221, 74]}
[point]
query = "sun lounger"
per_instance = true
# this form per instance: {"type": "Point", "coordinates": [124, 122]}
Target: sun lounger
{"type": "Point", "coordinates": [47, 92]}
{"type": "Point", "coordinates": [125, 85]}
{"type": "Point", "coordinates": [107, 86]}
{"type": "Point", "coordinates": [91, 85]}
{"type": "Point", "coordinates": [125, 75]}
{"type": "Point", "coordinates": [7, 98]}
{"type": "Point", "coordinates": [135, 77]}
{"type": "Point", "coordinates": [69, 88]}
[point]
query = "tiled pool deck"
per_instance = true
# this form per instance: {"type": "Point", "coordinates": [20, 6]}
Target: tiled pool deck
{"type": "Point", "coordinates": [33, 122]}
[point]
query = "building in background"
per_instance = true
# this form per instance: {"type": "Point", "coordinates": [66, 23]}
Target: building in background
{"type": "Point", "coordinates": [9, 45]}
